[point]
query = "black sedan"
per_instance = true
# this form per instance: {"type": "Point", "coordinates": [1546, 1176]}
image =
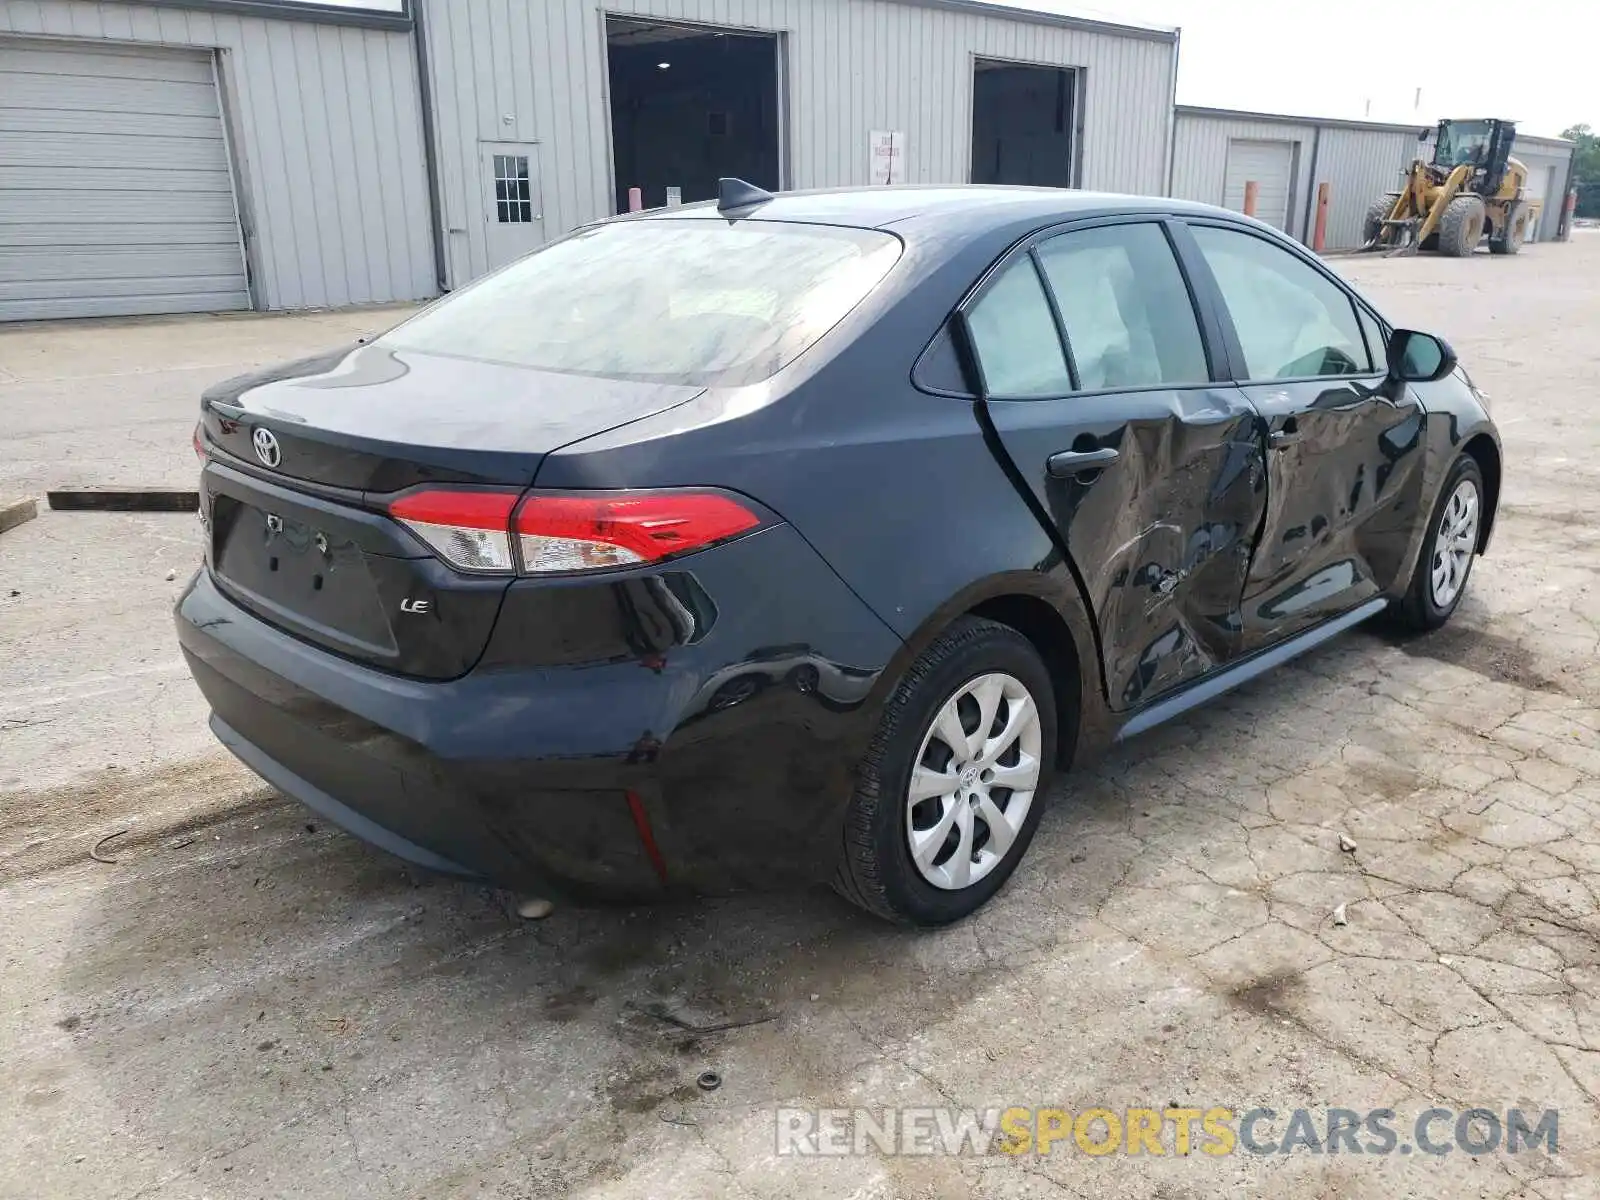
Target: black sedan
{"type": "Point", "coordinates": [808, 537]}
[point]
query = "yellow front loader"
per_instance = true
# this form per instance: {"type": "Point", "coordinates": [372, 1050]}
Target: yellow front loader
{"type": "Point", "coordinates": [1471, 189]}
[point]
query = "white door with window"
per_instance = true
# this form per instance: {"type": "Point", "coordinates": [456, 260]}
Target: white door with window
{"type": "Point", "coordinates": [1270, 166]}
{"type": "Point", "coordinates": [1544, 184]}
{"type": "Point", "coordinates": [513, 208]}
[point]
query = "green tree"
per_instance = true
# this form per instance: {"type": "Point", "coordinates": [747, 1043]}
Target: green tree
{"type": "Point", "coordinates": [1585, 168]}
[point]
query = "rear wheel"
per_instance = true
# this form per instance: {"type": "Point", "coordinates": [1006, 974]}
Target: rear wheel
{"type": "Point", "coordinates": [1516, 232]}
{"type": "Point", "coordinates": [952, 788]}
{"type": "Point", "coordinates": [1440, 578]}
{"type": "Point", "coordinates": [1461, 227]}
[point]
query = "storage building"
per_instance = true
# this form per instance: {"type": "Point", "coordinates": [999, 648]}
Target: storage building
{"type": "Point", "coordinates": [200, 155]}
{"type": "Point", "coordinates": [1217, 151]}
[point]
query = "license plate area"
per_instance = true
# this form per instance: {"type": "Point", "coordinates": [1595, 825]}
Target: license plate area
{"type": "Point", "coordinates": [294, 571]}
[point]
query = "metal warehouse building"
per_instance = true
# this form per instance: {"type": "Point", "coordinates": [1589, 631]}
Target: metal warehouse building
{"type": "Point", "coordinates": [202, 155]}
{"type": "Point", "coordinates": [1216, 152]}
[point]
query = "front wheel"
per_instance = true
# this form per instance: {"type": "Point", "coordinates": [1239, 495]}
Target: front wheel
{"type": "Point", "coordinates": [1440, 579]}
{"type": "Point", "coordinates": [1461, 227]}
{"type": "Point", "coordinates": [1378, 211]}
{"type": "Point", "coordinates": [952, 788]}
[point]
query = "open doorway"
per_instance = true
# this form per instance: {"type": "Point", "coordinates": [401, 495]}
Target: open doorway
{"type": "Point", "coordinates": [1022, 122]}
{"type": "Point", "coordinates": [690, 104]}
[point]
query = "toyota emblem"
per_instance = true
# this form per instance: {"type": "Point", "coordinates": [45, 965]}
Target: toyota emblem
{"type": "Point", "coordinates": [266, 445]}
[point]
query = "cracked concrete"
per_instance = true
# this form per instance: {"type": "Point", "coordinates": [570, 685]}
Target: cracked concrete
{"type": "Point", "coordinates": [247, 1003]}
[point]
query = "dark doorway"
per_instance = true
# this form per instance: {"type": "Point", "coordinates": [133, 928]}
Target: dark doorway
{"type": "Point", "coordinates": [689, 105]}
{"type": "Point", "coordinates": [1022, 120]}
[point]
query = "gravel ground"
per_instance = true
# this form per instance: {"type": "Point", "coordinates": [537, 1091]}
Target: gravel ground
{"type": "Point", "coordinates": [246, 1003]}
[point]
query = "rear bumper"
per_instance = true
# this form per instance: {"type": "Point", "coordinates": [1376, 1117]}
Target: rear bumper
{"type": "Point", "coordinates": [711, 751]}
{"type": "Point", "coordinates": [314, 798]}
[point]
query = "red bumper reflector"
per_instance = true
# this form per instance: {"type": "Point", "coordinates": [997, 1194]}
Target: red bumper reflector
{"type": "Point", "coordinates": [641, 822]}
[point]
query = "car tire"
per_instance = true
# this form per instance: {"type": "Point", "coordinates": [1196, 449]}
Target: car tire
{"type": "Point", "coordinates": [1377, 213]}
{"type": "Point", "coordinates": [1515, 233]}
{"type": "Point", "coordinates": [1461, 227]}
{"type": "Point", "coordinates": [956, 675]}
{"type": "Point", "coordinates": [1445, 563]}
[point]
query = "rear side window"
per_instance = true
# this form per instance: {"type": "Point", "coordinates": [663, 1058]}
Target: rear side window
{"type": "Point", "coordinates": [1292, 321]}
{"type": "Point", "coordinates": [1130, 322]}
{"type": "Point", "coordinates": [683, 301]}
{"type": "Point", "coordinates": [1015, 336]}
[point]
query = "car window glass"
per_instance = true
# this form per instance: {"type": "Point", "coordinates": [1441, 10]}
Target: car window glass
{"type": "Point", "coordinates": [1129, 319]}
{"type": "Point", "coordinates": [1015, 336]}
{"type": "Point", "coordinates": [687, 301]}
{"type": "Point", "coordinates": [1293, 322]}
{"type": "Point", "coordinates": [939, 368]}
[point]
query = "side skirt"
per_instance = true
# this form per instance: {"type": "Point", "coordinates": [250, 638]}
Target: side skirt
{"type": "Point", "coordinates": [1212, 686]}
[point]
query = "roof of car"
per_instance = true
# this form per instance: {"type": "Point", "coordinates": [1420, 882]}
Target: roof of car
{"type": "Point", "coordinates": [901, 205]}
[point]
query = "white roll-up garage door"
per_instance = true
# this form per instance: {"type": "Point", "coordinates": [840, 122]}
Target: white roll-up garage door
{"type": "Point", "coordinates": [1542, 185]}
{"type": "Point", "coordinates": [115, 190]}
{"type": "Point", "coordinates": [1267, 164]}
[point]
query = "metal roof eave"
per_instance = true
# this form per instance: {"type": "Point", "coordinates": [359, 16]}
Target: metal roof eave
{"type": "Point", "coordinates": [1036, 16]}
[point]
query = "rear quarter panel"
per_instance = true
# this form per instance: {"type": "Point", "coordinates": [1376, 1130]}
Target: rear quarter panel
{"type": "Point", "coordinates": [897, 490]}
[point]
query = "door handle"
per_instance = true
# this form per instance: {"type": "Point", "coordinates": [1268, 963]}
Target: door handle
{"type": "Point", "coordinates": [1287, 436]}
{"type": "Point", "coordinates": [1075, 462]}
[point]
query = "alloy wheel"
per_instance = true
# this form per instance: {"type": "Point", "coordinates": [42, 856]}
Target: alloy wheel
{"type": "Point", "coordinates": [974, 781]}
{"type": "Point", "coordinates": [1455, 543]}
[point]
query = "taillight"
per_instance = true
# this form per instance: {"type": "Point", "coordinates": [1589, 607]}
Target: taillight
{"type": "Point", "coordinates": [576, 531]}
{"type": "Point", "coordinates": [469, 530]}
{"type": "Point", "coordinates": [199, 441]}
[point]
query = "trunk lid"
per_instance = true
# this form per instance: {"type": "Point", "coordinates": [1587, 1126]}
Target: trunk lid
{"type": "Point", "coordinates": [302, 460]}
{"type": "Point", "coordinates": [379, 420]}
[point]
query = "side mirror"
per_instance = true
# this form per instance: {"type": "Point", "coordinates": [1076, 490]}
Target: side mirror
{"type": "Point", "coordinates": [1424, 135]}
{"type": "Point", "coordinates": [1419, 357]}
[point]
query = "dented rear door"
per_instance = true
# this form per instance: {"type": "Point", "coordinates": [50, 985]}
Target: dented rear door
{"type": "Point", "coordinates": [1101, 393]}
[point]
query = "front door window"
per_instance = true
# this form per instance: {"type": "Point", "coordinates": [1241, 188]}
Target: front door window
{"type": "Point", "coordinates": [1293, 322]}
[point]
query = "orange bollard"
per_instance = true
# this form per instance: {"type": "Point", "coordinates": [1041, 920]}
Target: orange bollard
{"type": "Point", "coordinates": [1319, 239]}
{"type": "Point", "coordinates": [1251, 189]}
{"type": "Point", "coordinates": [635, 199]}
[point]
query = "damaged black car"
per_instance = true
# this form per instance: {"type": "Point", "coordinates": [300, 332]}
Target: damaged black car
{"type": "Point", "coordinates": [812, 537]}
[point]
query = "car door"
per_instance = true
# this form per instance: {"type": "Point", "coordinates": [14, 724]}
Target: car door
{"type": "Point", "coordinates": [1344, 445]}
{"type": "Point", "coordinates": [1099, 390]}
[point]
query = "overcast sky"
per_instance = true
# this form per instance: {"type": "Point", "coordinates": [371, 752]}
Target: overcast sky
{"type": "Point", "coordinates": [1535, 61]}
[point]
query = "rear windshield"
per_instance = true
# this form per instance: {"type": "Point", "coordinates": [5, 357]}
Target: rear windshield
{"type": "Point", "coordinates": [684, 301]}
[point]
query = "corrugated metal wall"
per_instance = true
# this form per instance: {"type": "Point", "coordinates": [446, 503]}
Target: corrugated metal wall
{"type": "Point", "coordinates": [326, 131]}
{"type": "Point", "coordinates": [1200, 157]}
{"type": "Point", "coordinates": [510, 71]}
{"type": "Point", "coordinates": [1359, 165]}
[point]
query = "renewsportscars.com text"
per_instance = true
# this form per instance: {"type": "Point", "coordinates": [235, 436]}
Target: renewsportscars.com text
{"type": "Point", "coordinates": [1215, 1131]}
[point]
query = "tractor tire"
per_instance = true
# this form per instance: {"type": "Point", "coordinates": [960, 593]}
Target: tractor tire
{"type": "Point", "coordinates": [1461, 227]}
{"type": "Point", "coordinates": [1377, 213]}
{"type": "Point", "coordinates": [1516, 232]}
